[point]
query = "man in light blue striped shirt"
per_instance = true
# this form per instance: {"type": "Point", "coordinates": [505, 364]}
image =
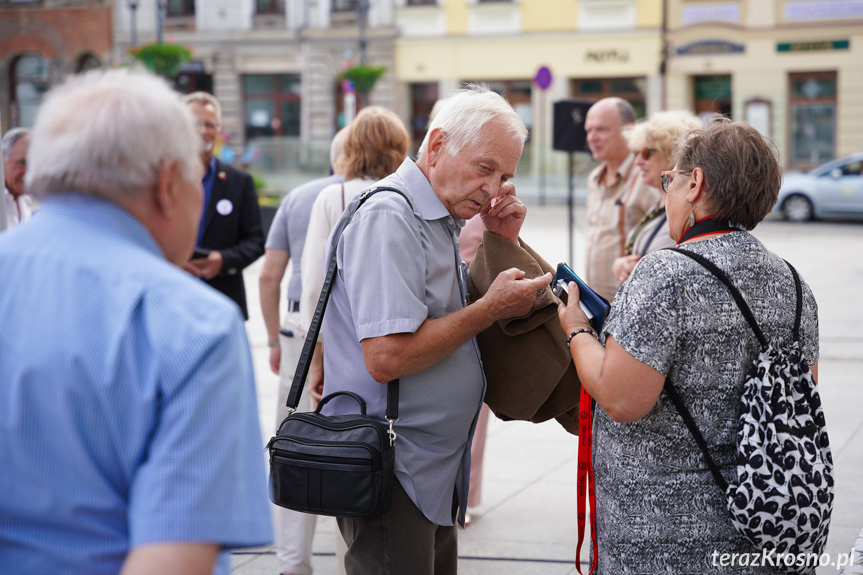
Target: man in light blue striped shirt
{"type": "Point", "coordinates": [129, 437]}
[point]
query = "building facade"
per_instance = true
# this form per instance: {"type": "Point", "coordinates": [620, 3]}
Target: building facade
{"type": "Point", "coordinates": [592, 49]}
{"type": "Point", "coordinates": [42, 42]}
{"type": "Point", "coordinates": [273, 64]}
{"type": "Point", "coordinates": [791, 68]}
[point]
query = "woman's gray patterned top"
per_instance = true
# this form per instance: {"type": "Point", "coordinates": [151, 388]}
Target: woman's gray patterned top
{"type": "Point", "coordinates": [658, 508]}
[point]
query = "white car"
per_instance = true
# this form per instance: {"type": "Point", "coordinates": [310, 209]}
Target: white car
{"type": "Point", "coordinates": [832, 190]}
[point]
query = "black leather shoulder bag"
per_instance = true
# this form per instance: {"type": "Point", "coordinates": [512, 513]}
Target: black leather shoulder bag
{"type": "Point", "coordinates": [337, 465]}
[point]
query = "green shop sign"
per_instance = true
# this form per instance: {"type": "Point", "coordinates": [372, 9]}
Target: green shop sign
{"type": "Point", "coordinates": [818, 45]}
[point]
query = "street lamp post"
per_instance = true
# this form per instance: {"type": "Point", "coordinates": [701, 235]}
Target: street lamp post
{"type": "Point", "coordinates": [159, 8]}
{"type": "Point", "coordinates": [133, 9]}
{"type": "Point", "coordinates": [362, 12]}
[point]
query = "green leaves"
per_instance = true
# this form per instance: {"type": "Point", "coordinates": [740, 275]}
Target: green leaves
{"type": "Point", "coordinates": [161, 58]}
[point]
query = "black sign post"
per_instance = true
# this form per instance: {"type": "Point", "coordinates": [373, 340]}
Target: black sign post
{"type": "Point", "coordinates": [570, 136]}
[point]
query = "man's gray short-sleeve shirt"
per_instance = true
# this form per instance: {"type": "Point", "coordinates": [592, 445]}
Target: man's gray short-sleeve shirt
{"type": "Point", "coordinates": [397, 268]}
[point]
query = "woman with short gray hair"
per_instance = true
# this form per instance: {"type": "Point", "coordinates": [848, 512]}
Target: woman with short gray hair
{"type": "Point", "coordinates": [658, 509]}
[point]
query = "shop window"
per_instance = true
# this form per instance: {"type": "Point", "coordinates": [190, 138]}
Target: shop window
{"type": "Point", "coordinates": [421, 2]}
{"type": "Point", "coordinates": [712, 95]}
{"type": "Point", "coordinates": [272, 105]}
{"type": "Point", "coordinates": [180, 7]}
{"type": "Point", "coordinates": [345, 5]}
{"type": "Point", "coordinates": [270, 6]}
{"type": "Point", "coordinates": [29, 82]}
{"type": "Point", "coordinates": [593, 89]}
{"type": "Point", "coordinates": [812, 111]}
{"type": "Point", "coordinates": [423, 98]}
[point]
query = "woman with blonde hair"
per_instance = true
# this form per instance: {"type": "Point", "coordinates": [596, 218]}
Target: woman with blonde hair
{"type": "Point", "coordinates": [652, 141]}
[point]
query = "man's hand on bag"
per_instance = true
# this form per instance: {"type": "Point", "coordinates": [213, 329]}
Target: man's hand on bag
{"type": "Point", "coordinates": [511, 295]}
{"type": "Point", "coordinates": [504, 214]}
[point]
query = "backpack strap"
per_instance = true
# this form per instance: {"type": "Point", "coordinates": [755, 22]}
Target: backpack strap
{"type": "Point", "coordinates": [672, 394]}
{"type": "Point", "coordinates": [799, 290]}
{"type": "Point", "coordinates": [669, 388]}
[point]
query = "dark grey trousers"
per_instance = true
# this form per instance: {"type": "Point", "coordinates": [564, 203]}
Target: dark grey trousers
{"type": "Point", "coordinates": [399, 542]}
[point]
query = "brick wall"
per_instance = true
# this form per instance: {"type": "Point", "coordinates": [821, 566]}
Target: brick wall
{"type": "Point", "coordinates": [62, 36]}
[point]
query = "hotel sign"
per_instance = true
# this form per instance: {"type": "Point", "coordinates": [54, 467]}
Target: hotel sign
{"type": "Point", "coordinates": [710, 48]}
{"type": "Point", "coordinates": [816, 46]}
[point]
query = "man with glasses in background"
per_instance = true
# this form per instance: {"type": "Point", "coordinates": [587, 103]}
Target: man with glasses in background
{"type": "Point", "coordinates": [230, 236]}
{"type": "Point", "coordinates": [617, 196]}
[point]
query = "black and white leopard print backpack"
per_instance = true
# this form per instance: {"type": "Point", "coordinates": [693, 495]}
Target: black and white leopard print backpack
{"type": "Point", "coordinates": [782, 497]}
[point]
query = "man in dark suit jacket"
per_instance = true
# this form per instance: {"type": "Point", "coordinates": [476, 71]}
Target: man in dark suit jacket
{"type": "Point", "coordinates": [230, 237]}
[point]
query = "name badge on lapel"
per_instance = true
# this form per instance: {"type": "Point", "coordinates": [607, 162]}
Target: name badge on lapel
{"type": "Point", "coordinates": [224, 207]}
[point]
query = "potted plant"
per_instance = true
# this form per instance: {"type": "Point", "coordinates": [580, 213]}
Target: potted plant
{"type": "Point", "coordinates": [162, 58]}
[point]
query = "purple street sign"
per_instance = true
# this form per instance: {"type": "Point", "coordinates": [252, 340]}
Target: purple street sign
{"type": "Point", "coordinates": [542, 78]}
{"type": "Point", "coordinates": [348, 87]}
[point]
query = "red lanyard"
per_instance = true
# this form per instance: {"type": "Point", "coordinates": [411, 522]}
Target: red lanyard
{"type": "Point", "coordinates": [586, 488]}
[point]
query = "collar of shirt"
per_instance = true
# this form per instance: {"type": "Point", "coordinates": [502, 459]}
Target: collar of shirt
{"type": "Point", "coordinates": [100, 215]}
{"type": "Point", "coordinates": [622, 170]}
{"type": "Point", "coordinates": [425, 200]}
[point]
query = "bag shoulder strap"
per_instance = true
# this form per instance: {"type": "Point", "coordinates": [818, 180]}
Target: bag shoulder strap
{"type": "Point", "coordinates": [671, 391]}
{"type": "Point", "coordinates": [302, 370]}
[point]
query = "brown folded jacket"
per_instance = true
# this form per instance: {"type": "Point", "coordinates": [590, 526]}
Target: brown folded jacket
{"type": "Point", "coordinates": [528, 367]}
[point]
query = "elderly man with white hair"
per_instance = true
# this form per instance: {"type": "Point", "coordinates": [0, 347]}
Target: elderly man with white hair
{"type": "Point", "coordinates": [129, 437]}
{"type": "Point", "coordinates": [19, 206]}
{"type": "Point", "coordinates": [397, 311]}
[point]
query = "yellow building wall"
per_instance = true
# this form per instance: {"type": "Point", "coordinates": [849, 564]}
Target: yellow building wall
{"type": "Point", "coordinates": [512, 57]}
{"type": "Point", "coordinates": [649, 14]}
{"type": "Point", "coordinates": [850, 96]}
{"type": "Point", "coordinates": [549, 15]}
{"type": "Point", "coordinates": [456, 17]}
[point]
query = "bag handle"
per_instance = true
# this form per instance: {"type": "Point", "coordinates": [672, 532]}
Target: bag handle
{"type": "Point", "coordinates": [356, 398]}
{"type": "Point", "coordinates": [302, 371]}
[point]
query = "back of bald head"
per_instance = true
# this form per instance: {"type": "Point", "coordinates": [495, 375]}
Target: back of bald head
{"type": "Point", "coordinates": [336, 148]}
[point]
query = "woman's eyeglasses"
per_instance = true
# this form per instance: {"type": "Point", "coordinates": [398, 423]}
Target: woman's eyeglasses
{"type": "Point", "coordinates": [663, 177]}
{"type": "Point", "coordinates": [646, 152]}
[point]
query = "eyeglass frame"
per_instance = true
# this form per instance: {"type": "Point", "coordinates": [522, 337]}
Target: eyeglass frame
{"type": "Point", "coordinates": [663, 177]}
{"type": "Point", "coordinates": [649, 152]}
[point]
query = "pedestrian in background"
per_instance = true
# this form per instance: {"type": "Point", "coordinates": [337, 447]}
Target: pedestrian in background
{"type": "Point", "coordinates": [19, 205]}
{"type": "Point", "coordinates": [658, 508]}
{"type": "Point", "coordinates": [230, 232]}
{"type": "Point", "coordinates": [129, 435]}
{"type": "Point", "coordinates": [294, 531]}
{"type": "Point", "coordinates": [617, 195]}
{"type": "Point", "coordinates": [652, 142]}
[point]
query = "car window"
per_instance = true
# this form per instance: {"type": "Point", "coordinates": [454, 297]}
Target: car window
{"type": "Point", "coordinates": [853, 168]}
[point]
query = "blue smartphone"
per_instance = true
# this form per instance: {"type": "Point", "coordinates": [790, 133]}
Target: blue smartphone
{"type": "Point", "coordinates": [594, 305]}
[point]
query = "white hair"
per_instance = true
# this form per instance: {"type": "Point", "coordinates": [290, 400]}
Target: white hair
{"type": "Point", "coordinates": [205, 99]}
{"type": "Point", "coordinates": [464, 114]}
{"type": "Point", "coordinates": [11, 138]}
{"type": "Point", "coordinates": [106, 133]}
